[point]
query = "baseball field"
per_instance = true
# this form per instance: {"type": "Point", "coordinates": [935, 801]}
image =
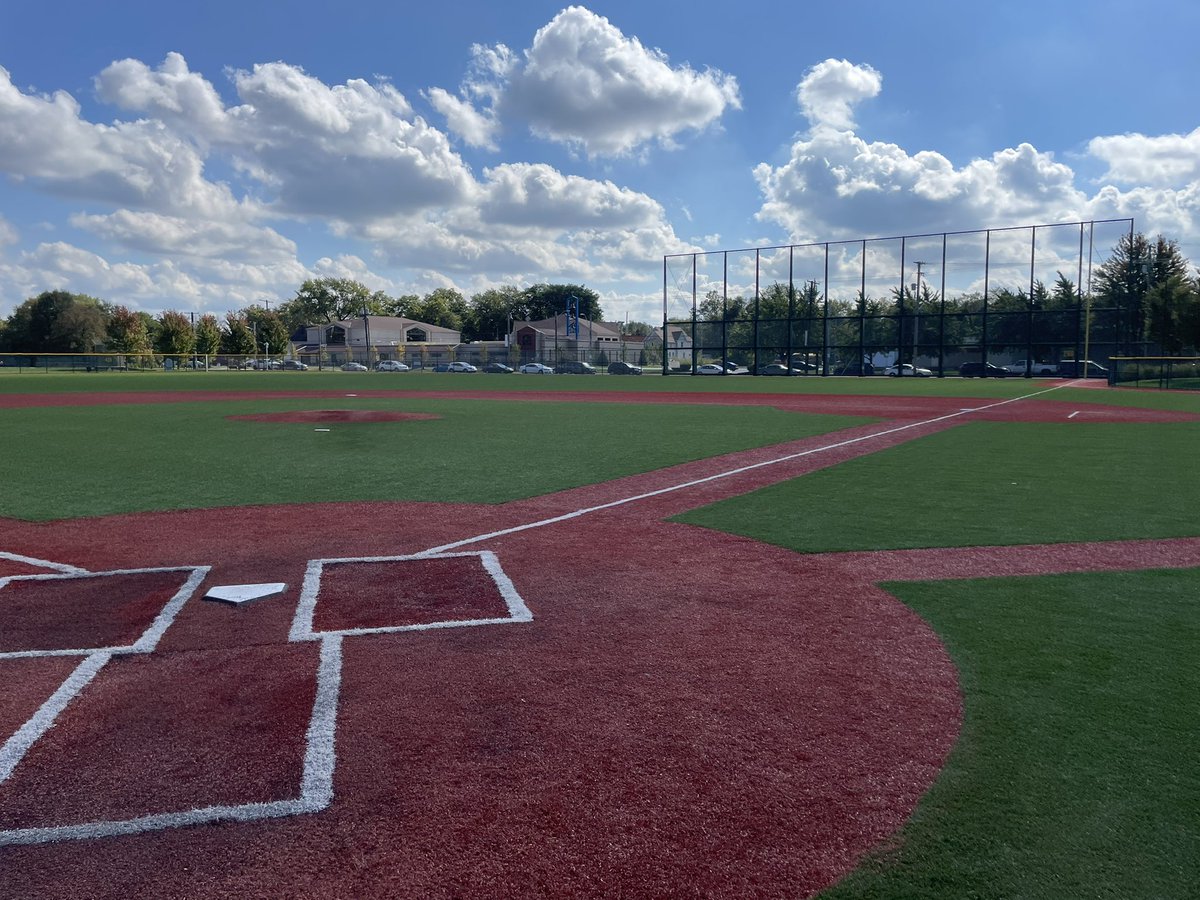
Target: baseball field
{"type": "Point", "coordinates": [597, 636]}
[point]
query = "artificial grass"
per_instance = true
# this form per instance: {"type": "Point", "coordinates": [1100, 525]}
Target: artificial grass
{"type": "Point", "coordinates": [984, 484]}
{"type": "Point", "coordinates": [98, 460]}
{"type": "Point", "coordinates": [234, 380]}
{"type": "Point", "coordinates": [1077, 772]}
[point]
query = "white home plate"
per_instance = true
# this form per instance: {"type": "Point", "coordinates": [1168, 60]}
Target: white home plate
{"type": "Point", "coordinates": [243, 593]}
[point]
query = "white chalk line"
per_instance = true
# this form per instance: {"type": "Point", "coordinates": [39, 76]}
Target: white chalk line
{"type": "Point", "coordinates": [316, 784]}
{"type": "Point", "coordinates": [302, 622]}
{"type": "Point", "coordinates": [740, 470]}
{"type": "Point", "coordinates": [43, 563]}
{"type": "Point", "coordinates": [148, 639]}
{"type": "Point", "coordinates": [15, 748]}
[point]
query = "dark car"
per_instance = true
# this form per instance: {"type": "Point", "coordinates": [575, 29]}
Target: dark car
{"type": "Point", "coordinates": [572, 367]}
{"type": "Point", "coordinates": [982, 370]}
{"type": "Point", "coordinates": [776, 369]}
{"type": "Point", "coordinates": [442, 367]}
{"type": "Point", "coordinates": [623, 368]}
{"type": "Point", "coordinates": [496, 368]}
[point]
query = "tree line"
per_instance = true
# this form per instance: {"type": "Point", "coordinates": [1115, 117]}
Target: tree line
{"type": "Point", "coordinates": [63, 322]}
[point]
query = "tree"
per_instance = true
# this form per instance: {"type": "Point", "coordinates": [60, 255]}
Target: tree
{"type": "Point", "coordinates": [175, 335]}
{"type": "Point", "coordinates": [268, 326]}
{"type": "Point", "coordinates": [236, 337]}
{"type": "Point", "coordinates": [324, 300]}
{"type": "Point", "coordinates": [490, 313]}
{"type": "Point", "coordinates": [1137, 265]}
{"type": "Point", "coordinates": [1169, 310]}
{"type": "Point", "coordinates": [208, 335]}
{"type": "Point", "coordinates": [444, 307]}
{"type": "Point", "coordinates": [127, 332]}
{"type": "Point", "coordinates": [544, 301]}
{"type": "Point", "coordinates": [57, 322]}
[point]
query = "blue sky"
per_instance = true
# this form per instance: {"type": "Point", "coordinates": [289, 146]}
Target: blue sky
{"type": "Point", "coordinates": [207, 156]}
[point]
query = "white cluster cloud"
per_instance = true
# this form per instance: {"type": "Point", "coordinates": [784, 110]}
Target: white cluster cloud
{"type": "Point", "coordinates": [831, 90]}
{"type": "Point", "coordinates": [583, 83]}
{"type": "Point", "coordinates": [837, 184]}
{"type": "Point", "coordinates": [355, 157]}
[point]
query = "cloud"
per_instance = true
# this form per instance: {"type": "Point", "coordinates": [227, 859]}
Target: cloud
{"type": "Point", "coordinates": [8, 233]}
{"type": "Point", "coordinates": [142, 164]}
{"type": "Point", "coordinates": [1167, 160]}
{"type": "Point", "coordinates": [831, 89]}
{"type": "Point", "coordinates": [186, 238]}
{"type": "Point", "coordinates": [836, 185]}
{"type": "Point", "coordinates": [476, 128]}
{"type": "Point", "coordinates": [585, 84]}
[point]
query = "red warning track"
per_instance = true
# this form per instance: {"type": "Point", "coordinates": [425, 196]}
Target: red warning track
{"type": "Point", "coordinates": [688, 712]}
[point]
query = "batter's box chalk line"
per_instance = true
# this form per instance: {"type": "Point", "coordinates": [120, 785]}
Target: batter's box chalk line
{"type": "Point", "coordinates": [320, 758]}
{"type": "Point", "coordinates": [302, 624]}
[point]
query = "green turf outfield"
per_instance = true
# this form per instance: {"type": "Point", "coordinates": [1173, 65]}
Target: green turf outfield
{"type": "Point", "coordinates": [1077, 772]}
{"type": "Point", "coordinates": [98, 460]}
{"type": "Point", "coordinates": [984, 483]}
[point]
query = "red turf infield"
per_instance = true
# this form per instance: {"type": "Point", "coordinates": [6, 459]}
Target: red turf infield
{"type": "Point", "coordinates": [687, 713]}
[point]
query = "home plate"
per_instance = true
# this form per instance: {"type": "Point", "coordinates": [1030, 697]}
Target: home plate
{"type": "Point", "coordinates": [243, 593]}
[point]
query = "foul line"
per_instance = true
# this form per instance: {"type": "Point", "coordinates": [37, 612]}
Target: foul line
{"type": "Point", "coordinates": [504, 532]}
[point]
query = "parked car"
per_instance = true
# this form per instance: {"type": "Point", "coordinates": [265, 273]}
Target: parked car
{"type": "Point", "coordinates": [295, 365]}
{"type": "Point", "coordinates": [776, 369]}
{"type": "Point", "coordinates": [623, 368]}
{"type": "Point", "coordinates": [982, 370]}
{"type": "Point", "coordinates": [442, 367]}
{"type": "Point", "coordinates": [733, 368]}
{"type": "Point", "coordinates": [461, 367]}
{"type": "Point", "coordinates": [574, 367]}
{"type": "Point", "coordinates": [496, 368]}
{"type": "Point", "coordinates": [354, 367]}
{"type": "Point", "coordinates": [536, 369]}
{"type": "Point", "coordinates": [390, 365]}
{"type": "Point", "coordinates": [1037, 369]}
{"type": "Point", "coordinates": [908, 370]}
{"type": "Point", "coordinates": [710, 369]}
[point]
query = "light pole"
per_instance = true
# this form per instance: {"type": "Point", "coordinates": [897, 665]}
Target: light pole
{"type": "Point", "coordinates": [916, 314]}
{"type": "Point", "coordinates": [367, 335]}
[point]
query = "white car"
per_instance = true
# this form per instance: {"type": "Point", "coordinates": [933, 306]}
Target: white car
{"type": "Point", "coordinates": [354, 367]}
{"type": "Point", "coordinates": [390, 365]}
{"type": "Point", "coordinates": [536, 369]}
{"type": "Point", "coordinates": [908, 370]}
{"type": "Point", "coordinates": [461, 367]}
{"type": "Point", "coordinates": [711, 369]}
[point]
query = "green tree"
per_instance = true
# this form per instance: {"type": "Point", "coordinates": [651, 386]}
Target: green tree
{"type": "Point", "coordinates": [269, 329]}
{"type": "Point", "coordinates": [175, 335]}
{"type": "Point", "coordinates": [127, 332]}
{"type": "Point", "coordinates": [324, 300]}
{"type": "Point", "coordinates": [236, 337]}
{"type": "Point", "coordinates": [1124, 280]}
{"type": "Point", "coordinates": [543, 301]}
{"type": "Point", "coordinates": [208, 335]}
{"type": "Point", "coordinates": [444, 307]}
{"type": "Point", "coordinates": [57, 322]}
{"type": "Point", "coordinates": [490, 313]}
{"type": "Point", "coordinates": [1170, 309]}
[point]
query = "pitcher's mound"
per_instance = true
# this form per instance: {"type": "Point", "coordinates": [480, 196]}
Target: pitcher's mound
{"type": "Point", "coordinates": [339, 416]}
